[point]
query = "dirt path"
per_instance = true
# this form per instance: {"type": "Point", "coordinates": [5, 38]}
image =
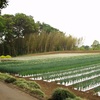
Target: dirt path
{"type": "Point", "coordinates": [11, 93]}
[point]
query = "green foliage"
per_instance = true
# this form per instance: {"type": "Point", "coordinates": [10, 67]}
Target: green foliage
{"type": "Point", "coordinates": [37, 92]}
{"type": "Point", "coordinates": [3, 76]}
{"type": "Point", "coordinates": [83, 47]}
{"type": "Point", "coordinates": [76, 98]}
{"type": "Point", "coordinates": [8, 56]}
{"type": "Point", "coordinates": [62, 94]}
{"type": "Point", "coordinates": [2, 57]}
{"type": "Point", "coordinates": [32, 84]}
{"type": "Point", "coordinates": [21, 84]}
{"type": "Point", "coordinates": [96, 45]}
{"type": "Point", "coordinates": [24, 24]}
{"type": "Point", "coordinates": [51, 65]}
{"type": "Point", "coordinates": [46, 28]}
{"type": "Point", "coordinates": [7, 78]}
{"type": "Point", "coordinates": [20, 34]}
{"type": "Point", "coordinates": [2, 25]}
{"type": "Point", "coordinates": [10, 80]}
{"type": "Point", "coordinates": [3, 3]}
{"type": "Point", "coordinates": [27, 84]}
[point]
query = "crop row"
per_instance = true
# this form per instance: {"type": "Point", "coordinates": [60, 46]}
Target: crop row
{"type": "Point", "coordinates": [83, 72]}
{"type": "Point", "coordinates": [48, 65]}
{"type": "Point", "coordinates": [87, 85]}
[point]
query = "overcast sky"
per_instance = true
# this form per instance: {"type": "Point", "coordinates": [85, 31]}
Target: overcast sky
{"type": "Point", "coordinates": [79, 18]}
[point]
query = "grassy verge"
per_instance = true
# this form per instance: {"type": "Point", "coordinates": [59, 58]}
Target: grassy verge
{"type": "Point", "coordinates": [30, 87]}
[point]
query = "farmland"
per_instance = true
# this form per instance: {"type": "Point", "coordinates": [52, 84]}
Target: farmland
{"type": "Point", "coordinates": [81, 71]}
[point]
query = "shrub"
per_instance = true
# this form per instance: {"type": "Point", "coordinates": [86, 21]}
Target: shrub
{"type": "Point", "coordinates": [34, 85]}
{"type": "Point", "coordinates": [62, 94]}
{"type": "Point", "coordinates": [30, 86]}
{"type": "Point", "coordinates": [21, 83]}
{"type": "Point", "coordinates": [2, 57]}
{"type": "Point", "coordinates": [8, 56]}
{"type": "Point", "coordinates": [27, 84]}
{"type": "Point", "coordinates": [77, 98]}
{"type": "Point", "coordinates": [3, 76]}
{"type": "Point", "coordinates": [37, 92]}
{"type": "Point", "coordinates": [10, 80]}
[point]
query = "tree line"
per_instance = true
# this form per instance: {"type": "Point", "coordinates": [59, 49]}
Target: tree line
{"type": "Point", "coordinates": [20, 34]}
{"type": "Point", "coordinates": [95, 46]}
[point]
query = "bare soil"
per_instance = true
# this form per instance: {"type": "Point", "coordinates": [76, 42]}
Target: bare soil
{"type": "Point", "coordinates": [48, 89]}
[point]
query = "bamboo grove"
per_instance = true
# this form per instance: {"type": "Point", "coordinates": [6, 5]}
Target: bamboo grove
{"type": "Point", "coordinates": [20, 34]}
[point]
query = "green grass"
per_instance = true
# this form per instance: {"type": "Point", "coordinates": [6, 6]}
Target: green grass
{"type": "Point", "coordinates": [27, 84]}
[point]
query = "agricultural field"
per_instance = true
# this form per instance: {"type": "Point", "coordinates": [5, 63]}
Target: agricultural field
{"type": "Point", "coordinates": [79, 71]}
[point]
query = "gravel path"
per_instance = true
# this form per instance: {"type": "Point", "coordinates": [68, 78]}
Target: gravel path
{"type": "Point", "coordinates": [11, 93]}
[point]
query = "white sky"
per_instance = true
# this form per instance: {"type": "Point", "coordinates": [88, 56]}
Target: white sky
{"type": "Point", "coordinates": [80, 18]}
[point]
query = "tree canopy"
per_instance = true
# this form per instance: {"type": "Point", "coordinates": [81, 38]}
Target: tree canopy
{"type": "Point", "coordinates": [20, 34]}
{"type": "Point", "coordinates": [96, 45]}
{"type": "Point", "coordinates": [3, 3]}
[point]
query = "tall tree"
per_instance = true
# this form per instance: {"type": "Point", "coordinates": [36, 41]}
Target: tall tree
{"type": "Point", "coordinates": [3, 4]}
{"type": "Point", "coordinates": [43, 27]}
{"type": "Point", "coordinates": [8, 34]}
{"type": "Point", "coordinates": [96, 45]}
{"type": "Point", "coordinates": [2, 25]}
{"type": "Point", "coordinates": [24, 25]}
{"type": "Point", "coordinates": [20, 35]}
